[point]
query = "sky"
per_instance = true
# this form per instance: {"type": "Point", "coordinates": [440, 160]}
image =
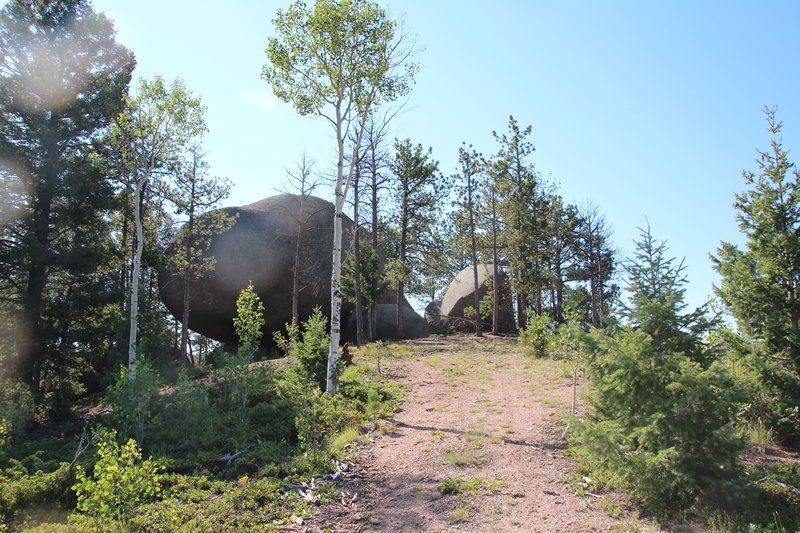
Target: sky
{"type": "Point", "coordinates": [649, 110]}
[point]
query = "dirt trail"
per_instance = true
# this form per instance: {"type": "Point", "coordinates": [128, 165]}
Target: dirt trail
{"type": "Point", "coordinates": [475, 409]}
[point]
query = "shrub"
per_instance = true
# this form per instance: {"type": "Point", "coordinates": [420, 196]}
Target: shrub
{"type": "Point", "coordinates": [663, 415]}
{"type": "Point", "coordinates": [20, 489]}
{"type": "Point", "coordinates": [120, 481]}
{"type": "Point", "coordinates": [249, 320]}
{"type": "Point", "coordinates": [309, 347]}
{"type": "Point", "coordinates": [132, 398]}
{"type": "Point", "coordinates": [236, 381]}
{"type": "Point", "coordinates": [537, 335]}
{"type": "Point", "coordinates": [16, 410]}
{"type": "Point", "coordinates": [235, 375]}
{"type": "Point", "coordinates": [663, 425]}
{"type": "Point", "coordinates": [186, 416]}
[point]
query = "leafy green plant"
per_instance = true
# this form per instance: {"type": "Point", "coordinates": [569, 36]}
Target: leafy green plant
{"type": "Point", "coordinates": [537, 335]}
{"type": "Point", "coordinates": [458, 485]}
{"type": "Point", "coordinates": [236, 380]}
{"type": "Point", "coordinates": [16, 409]}
{"type": "Point", "coordinates": [132, 398]}
{"type": "Point", "coordinates": [234, 374]}
{"type": "Point", "coordinates": [120, 480]}
{"type": "Point", "coordinates": [185, 419]}
{"type": "Point", "coordinates": [249, 320]}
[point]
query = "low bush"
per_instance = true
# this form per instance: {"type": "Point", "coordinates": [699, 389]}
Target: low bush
{"type": "Point", "coordinates": [120, 481]}
{"type": "Point", "coordinates": [662, 426]}
{"type": "Point", "coordinates": [132, 398]}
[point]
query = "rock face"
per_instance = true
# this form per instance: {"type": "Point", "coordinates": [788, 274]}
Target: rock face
{"type": "Point", "coordinates": [260, 247]}
{"type": "Point", "coordinates": [461, 294]}
{"type": "Point", "coordinates": [414, 326]}
{"type": "Point", "coordinates": [435, 319]}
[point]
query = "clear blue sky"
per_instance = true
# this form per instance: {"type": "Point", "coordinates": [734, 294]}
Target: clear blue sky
{"type": "Point", "coordinates": [647, 109]}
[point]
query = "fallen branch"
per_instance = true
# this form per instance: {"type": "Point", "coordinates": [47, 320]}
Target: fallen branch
{"type": "Point", "coordinates": [342, 471]}
{"type": "Point", "coordinates": [231, 456]}
{"type": "Point", "coordinates": [84, 444]}
{"type": "Point", "coordinates": [794, 490]}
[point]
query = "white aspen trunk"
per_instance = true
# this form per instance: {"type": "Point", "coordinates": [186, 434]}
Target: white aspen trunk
{"type": "Point", "coordinates": [336, 297]}
{"type": "Point", "coordinates": [332, 385]}
{"type": "Point", "coordinates": [342, 186]}
{"type": "Point", "coordinates": [137, 264]}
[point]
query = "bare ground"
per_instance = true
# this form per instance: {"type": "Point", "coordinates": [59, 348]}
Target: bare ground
{"type": "Point", "coordinates": [474, 408]}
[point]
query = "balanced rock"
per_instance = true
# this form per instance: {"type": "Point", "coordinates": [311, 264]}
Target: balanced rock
{"type": "Point", "coordinates": [261, 247]}
{"type": "Point", "coordinates": [460, 294]}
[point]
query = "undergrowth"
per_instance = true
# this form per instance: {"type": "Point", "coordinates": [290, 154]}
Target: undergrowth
{"type": "Point", "coordinates": [222, 451]}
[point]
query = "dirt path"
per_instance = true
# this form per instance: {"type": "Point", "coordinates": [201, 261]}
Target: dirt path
{"type": "Point", "coordinates": [480, 411]}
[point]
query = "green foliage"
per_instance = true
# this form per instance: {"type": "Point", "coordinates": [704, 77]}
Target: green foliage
{"type": "Point", "coordinates": [21, 488]}
{"type": "Point", "coordinates": [662, 425]}
{"type": "Point", "coordinates": [459, 485]}
{"type": "Point", "coordinates": [538, 334]}
{"type": "Point", "coordinates": [235, 378]}
{"type": "Point", "coordinates": [759, 284]}
{"type": "Point", "coordinates": [371, 276]}
{"type": "Point", "coordinates": [16, 410]}
{"type": "Point", "coordinates": [249, 320]}
{"type": "Point", "coordinates": [132, 398]}
{"type": "Point", "coordinates": [308, 345]}
{"type": "Point", "coordinates": [64, 78]}
{"type": "Point", "coordinates": [662, 420]}
{"type": "Point", "coordinates": [191, 506]}
{"type": "Point", "coordinates": [186, 417]}
{"type": "Point", "coordinates": [418, 189]}
{"type": "Point", "coordinates": [655, 301]}
{"type": "Point", "coordinates": [120, 481]}
{"type": "Point", "coordinates": [335, 50]}
{"type": "Point", "coordinates": [234, 373]}
{"type": "Point", "coordinates": [291, 429]}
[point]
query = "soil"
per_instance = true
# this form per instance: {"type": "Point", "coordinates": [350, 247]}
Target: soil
{"type": "Point", "coordinates": [479, 410]}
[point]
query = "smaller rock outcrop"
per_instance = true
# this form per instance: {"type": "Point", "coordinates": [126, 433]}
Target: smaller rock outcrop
{"type": "Point", "coordinates": [435, 319]}
{"type": "Point", "coordinates": [414, 326]}
{"type": "Point", "coordinates": [460, 294]}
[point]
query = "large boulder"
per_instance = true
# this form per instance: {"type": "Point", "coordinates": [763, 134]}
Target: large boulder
{"type": "Point", "coordinates": [461, 294]}
{"type": "Point", "coordinates": [260, 247]}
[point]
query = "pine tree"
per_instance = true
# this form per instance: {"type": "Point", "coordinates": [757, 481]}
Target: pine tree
{"type": "Point", "coordinates": [522, 205]}
{"type": "Point", "coordinates": [417, 190]}
{"type": "Point", "coordinates": [62, 80]}
{"type": "Point", "coordinates": [761, 284]}
{"type": "Point", "coordinates": [193, 192]}
{"type": "Point", "coordinates": [662, 419]}
{"type": "Point", "coordinates": [472, 166]}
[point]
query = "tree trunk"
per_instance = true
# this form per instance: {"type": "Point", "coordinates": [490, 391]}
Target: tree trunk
{"type": "Point", "coordinates": [187, 280]}
{"type": "Point", "coordinates": [373, 309]}
{"type": "Point", "coordinates": [332, 382]}
{"type": "Point", "coordinates": [474, 253]}
{"type": "Point", "coordinates": [400, 284]}
{"type": "Point", "coordinates": [522, 309]}
{"type": "Point", "coordinates": [135, 271]}
{"type": "Point", "coordinates": [357, 271]}
{"type": "Point", "coordinates": [296, 274]}
{"type": "Point", "coordinates": [495, 274]}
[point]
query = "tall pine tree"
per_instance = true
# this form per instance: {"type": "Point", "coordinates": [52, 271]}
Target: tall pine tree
{"type": "Point", "coordinates": [62, 80]}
